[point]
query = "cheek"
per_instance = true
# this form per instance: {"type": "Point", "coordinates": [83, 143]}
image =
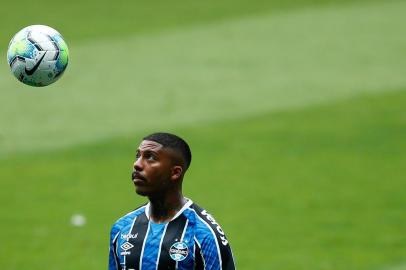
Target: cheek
{"type": "Point", "coordinates": [158, 173]}
{"type": "Point", "coordinates": [163, 175]}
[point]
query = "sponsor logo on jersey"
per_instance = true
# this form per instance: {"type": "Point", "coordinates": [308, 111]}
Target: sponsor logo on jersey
{"type": "Point", "coordinates": [129, 236]}
{"type": "Point", "coordinates": [126, 246]}
{"type": "Point", "coordinates": [218, 228]}
{"type": "Point", "coordinates": [179, 251]}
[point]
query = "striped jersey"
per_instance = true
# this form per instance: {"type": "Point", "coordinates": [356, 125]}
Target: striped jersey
{"type": "Point", "coordinates": [191, 240]}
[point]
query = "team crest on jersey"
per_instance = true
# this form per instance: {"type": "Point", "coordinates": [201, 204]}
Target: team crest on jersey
{"type": "Point", "coordinates": [179, 251]}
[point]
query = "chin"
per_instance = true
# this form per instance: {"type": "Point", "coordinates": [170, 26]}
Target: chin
{"type": "Point", "coordinates": [141, 192]}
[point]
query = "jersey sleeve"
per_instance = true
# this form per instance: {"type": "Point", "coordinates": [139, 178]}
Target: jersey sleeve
{"type": "Point", "coordinates": [215, 256]}
{"type": "Point", "coordinates": [214, 247]}
{"type": "Point", "coordinates": [113, 260]}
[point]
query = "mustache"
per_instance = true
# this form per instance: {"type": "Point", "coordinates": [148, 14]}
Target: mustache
{"type": "Point", "coordinates": [137, 175]}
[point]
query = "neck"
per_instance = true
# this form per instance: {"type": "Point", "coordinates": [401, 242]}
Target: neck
{"type": "Point", "coordinates": [164, 208]}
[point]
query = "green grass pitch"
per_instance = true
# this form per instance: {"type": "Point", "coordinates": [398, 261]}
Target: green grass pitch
{"type": "Point", "coordinates": [295, 112]}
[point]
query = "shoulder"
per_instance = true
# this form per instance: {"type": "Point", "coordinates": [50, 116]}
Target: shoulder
{"type": "Point", "coordinates": [127, 219]}
{"type": "Point", "coordinates": [204, 216]}
{"type": "Point", "coordinates": [211, 240]}
{"type": "Point", "coordinates": [207, 224]}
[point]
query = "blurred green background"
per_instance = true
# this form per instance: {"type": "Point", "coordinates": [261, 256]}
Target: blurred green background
{"type": "Point", "coordinates": [295, 112]}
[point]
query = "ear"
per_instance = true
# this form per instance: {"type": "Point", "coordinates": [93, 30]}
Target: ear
{"type": "Point", "coordinates": [176, 173]}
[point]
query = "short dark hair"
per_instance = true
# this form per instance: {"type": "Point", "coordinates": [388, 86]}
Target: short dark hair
{"type": "Point", "coordinates": [173, 142]}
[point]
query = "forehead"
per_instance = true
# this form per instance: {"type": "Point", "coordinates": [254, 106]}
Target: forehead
{"type": "Point", "coordinates": [150, 146]}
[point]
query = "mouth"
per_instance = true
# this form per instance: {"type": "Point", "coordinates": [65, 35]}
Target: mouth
{"type": "Point", "coordinates": [138, 177]}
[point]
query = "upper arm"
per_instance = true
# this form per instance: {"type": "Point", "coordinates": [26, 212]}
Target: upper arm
{"type": "Point", "coordinates": [113, 259]}
{"type": "Point", "coordinates": [215, 255]}
{"type": "Point", "coordinates": [212, 241]}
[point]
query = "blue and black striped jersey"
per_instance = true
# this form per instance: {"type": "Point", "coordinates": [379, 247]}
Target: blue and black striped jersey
{"type": "Point", "coordinates": [191, 240]}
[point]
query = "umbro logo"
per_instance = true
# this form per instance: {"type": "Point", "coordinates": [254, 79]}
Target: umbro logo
{"type": "Point", "coordinates": [126, 246]}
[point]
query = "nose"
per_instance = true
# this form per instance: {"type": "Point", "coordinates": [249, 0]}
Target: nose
{"type": "Point", "coordinates": [137, 164]}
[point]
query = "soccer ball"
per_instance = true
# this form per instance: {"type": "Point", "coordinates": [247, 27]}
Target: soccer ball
{"type": "Point", "coordinates": [37, 55]}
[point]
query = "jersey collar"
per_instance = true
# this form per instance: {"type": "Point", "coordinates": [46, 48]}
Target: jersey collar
{"type": "Point", "coordinates": [184, 207]}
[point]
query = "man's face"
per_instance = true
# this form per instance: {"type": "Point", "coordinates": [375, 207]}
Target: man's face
{"type": "Point", "coordinates": [152, 169]}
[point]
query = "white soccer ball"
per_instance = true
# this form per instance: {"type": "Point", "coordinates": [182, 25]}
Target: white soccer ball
{"type": "Point", "coordinates": [37, 55]}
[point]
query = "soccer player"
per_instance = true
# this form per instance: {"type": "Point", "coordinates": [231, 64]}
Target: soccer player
{"type": "Point", "coordinates": [170, 231]}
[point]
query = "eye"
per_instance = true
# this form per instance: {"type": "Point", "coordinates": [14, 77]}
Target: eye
{"type": "Point", "coordinates": [149, 156]}
{"type": "Point", "coordinates": [137, 155]}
